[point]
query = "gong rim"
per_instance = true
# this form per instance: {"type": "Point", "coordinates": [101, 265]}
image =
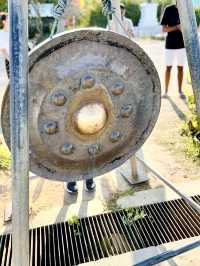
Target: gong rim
{"type": "Point", "coordinates": [109, 38]}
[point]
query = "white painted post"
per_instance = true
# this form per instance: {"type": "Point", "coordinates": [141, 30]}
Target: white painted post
{"type": "Point", "coordinates": [133, 171]}
{"type": "Point", "coordinates": [115, 25]}
{"type": "Point", "coordinates": [18, 19]}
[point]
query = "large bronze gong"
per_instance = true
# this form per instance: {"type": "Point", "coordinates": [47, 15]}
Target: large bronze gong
{"type": "Point", "coordinates": [94, 99]}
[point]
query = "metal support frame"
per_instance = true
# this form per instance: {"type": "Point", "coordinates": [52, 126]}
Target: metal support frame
{"type": "Point", "coordinates": [187, 199]}
{"type": "Point", "coordinates": [191, 40]}
{"type": "Point", "coordinates": [169, 254]}
{"type": "Point", "coordinates": [137, 173]}
{"type": "Point", "coordinates": [18, 16]}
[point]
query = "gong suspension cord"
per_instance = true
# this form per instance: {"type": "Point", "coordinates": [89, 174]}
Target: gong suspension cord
{"type": "Point", "coordinates": [58, 11]}
{"type": "Point", "coordinates": [185, 197]}
{"type": "Point", "coordinates": [108, 11]}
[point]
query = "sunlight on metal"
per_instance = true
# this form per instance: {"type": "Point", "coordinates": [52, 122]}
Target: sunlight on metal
{"type": "Point", "coordinates": [18, 17]}
{"type": "Point", "coordinates": [169, 254]}
{"type": "Point", "coordinates": [191, 39]}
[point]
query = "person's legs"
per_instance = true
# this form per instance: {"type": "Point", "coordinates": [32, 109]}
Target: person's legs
{"type": "Point", "coordinates": [181, 57]}
{"type": "Point", "coordinates": [169, 58]}
{"type": "Point", "coordinates": [180, 78]}
{"type": "Point", "coordinates": [167, 79]}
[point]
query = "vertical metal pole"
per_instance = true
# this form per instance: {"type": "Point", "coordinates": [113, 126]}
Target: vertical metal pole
{"type": "Point", "coordinates": [138, 172]}
{"type": "Point", "coordinates": [115, 19]}
{"type": "Point", "coordinates": [18, 16]}
{"type": "Point", "coordinates": [190, 34]}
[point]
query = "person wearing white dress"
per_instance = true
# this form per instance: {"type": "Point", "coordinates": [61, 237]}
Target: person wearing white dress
{"type": "Point", "coordinates": [127, 23]}
{"type": "Point", "coordinates": [4, 42]}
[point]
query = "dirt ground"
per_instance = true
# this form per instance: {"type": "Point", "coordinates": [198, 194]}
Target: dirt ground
{"type": "Point", "coordinates": [163, 150]}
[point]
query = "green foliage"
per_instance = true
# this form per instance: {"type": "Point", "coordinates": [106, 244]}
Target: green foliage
{"type": "Point", "coordinates": [133, 10]}
{"type": "Point", "coordinates": [132, 215]}
{"type": "Point", "coordinates": [197, 13]}
{"type": "Point", "coordinates": [96, 18]}
{"type": "Point", "coordinates": [75, 223]}
{"type": "Point", "coordinates": [92, 15]}
{"type": "Point", "coordinates": [4, 158]}
{"type": "Point", "coordinates": [32, 28]}
{"type": "Point", "coordinates": [73, 220]}
{"type": "Point", "coordinates": [111, 204]}
{"type": "Point", "coordinates": [3, 5]}
{"type": "Point", "coordinates": [192, 148]}
{"type": "Point", "coordinates": [42, 30]}
{"type": "Point", "coordinates": [191, 129]}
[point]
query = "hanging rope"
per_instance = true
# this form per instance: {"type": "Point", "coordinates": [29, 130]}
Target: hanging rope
{"type": "Point", "coordinates": [108, 11]}
{"type": "Point", "coordinates": [58, 11]}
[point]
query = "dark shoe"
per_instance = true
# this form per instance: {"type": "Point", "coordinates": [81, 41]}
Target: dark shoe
{"type": "Point", "coordinates": [71, 187]}
{"type": "Point", "coordinates": [182, 96]}
{"type": "Point", "coordinates": [90, 185]}
{"type": "Point", "coordinates": [165, 96]}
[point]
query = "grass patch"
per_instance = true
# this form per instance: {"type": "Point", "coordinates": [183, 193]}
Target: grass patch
{"type": "Point", "coordinates": [5, 159]}
{"type": "Point", "coordinates": [191, 128]}
{"type": "Point", "coordinates": [111, 204]}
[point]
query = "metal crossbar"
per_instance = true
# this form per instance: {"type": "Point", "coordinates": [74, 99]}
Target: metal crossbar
{"type": "Point", "coordinates": [169, 254]}
{"type": "Point", "coordinates": [18, 14]}
{"type": "Point", "coordinates": [192, 203]}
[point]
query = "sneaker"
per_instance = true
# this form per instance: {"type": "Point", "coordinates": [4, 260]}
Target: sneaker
{"type": "Point", "coordinates": [71, 187]}
{"type": "Point", "coordinates": [182, 96]}
{"type": "Point", "coordinates": [165, 96]}
{"type": "Point", "coordinates": [90, 185]}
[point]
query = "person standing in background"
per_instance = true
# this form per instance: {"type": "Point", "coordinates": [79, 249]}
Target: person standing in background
{"type": "Point", "coordinates": [127, 23]}
{"type": "Point", "coordinates": [4, 42]}
{"type": "Point", "coordinates": [174, 47]}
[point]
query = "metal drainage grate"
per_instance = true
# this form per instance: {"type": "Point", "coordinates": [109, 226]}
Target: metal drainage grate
{"type": "Point", "coordinates": [107, 235]}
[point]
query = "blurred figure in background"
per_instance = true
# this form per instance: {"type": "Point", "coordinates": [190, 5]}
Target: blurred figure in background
{"type": "Point", "coordinates": [127, 23]}
{"type": "Point", "coordinates": [174, 47]}
{"type": "Point", "coordinates": [4, 42]}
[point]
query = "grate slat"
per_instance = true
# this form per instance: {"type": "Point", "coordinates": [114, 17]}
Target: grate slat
{"type": "Point", "coordinates": [102, 244]}
{"type": "Point", "coordinates": [107, 235]}
{"type": "Point", "coordinates": [134, 232]}
{"type": "Point", "coordinates": [182, 219]}
{"type": "Point", "coordinates": [150, 226]}
{"type": "Point", "coordinates": [71, 248]}
{"type": "Point", "coordinates": [66, 245]}
{"type": "Point", "coordinates": [124, 245]}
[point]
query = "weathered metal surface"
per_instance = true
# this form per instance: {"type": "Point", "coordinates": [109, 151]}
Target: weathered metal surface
{"type": "Point", "coordinates": [191, 40]}
{"type": "Point", "coordinates": [18, 19]}
{"type": "Point", "coordinates": [74, 73]}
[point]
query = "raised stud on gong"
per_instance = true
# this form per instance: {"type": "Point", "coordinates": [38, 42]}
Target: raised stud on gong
{"type": "Point", "coordinates": [126, 110]}
{"type": "Point", "coordinates": [115, 136]}
{"type": "Point", "coordinates": [87, 82]}
{"type": "Point", "coordinates": [67, 149]}
{"type": "Point", "coordinates": [50, 127]}
{"type": "Point", "coordinates": [94, 149]}
{"type": "Point", "coordinates": [58, 98]}
{"type": "Point", "coordinates": [118, 88]}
